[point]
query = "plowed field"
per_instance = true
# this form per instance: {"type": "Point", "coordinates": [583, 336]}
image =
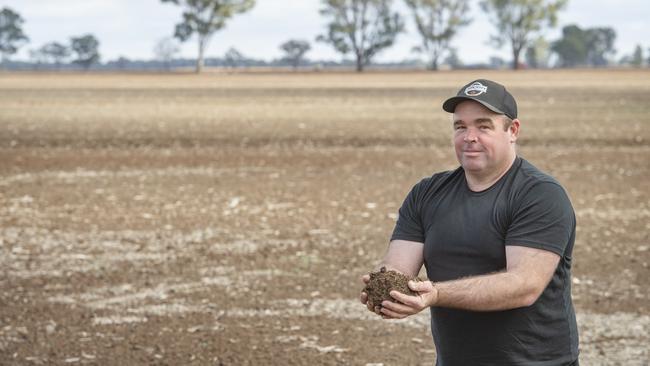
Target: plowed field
{"type": "Point", "coordinates": [225, 219]}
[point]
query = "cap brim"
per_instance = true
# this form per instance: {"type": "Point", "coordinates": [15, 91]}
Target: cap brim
{"type": "Point", "coordinates": [450, 104]}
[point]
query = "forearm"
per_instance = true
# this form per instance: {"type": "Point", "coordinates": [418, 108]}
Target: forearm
{"type": "Point", "coordinates": [528, 272]}
{"type": "Point", "coordinates": [492, 292]}
{"type": "Point", "coordinates": [403, 256]}
{"type": "Point", "coordinates": [396, 266]}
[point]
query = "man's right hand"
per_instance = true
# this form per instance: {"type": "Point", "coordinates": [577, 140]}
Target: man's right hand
{"type": "Point", "coordinates": [364, 296]}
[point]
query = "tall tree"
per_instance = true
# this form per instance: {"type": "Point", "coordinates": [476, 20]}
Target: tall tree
{"type": "Point", "coordinates": [452, 59]}
{"type": "Point", "coordinates": [56, 52]}
{"type": "Point", "coordinates": [11, 32]}
{"type": "Point", "coordinates": [637, 56]}
{"type": "Point", "coordinates": [572, 47]}
{"type": "Point", "coordinates": [164, 51]}
{"type": "Point", "coordinates": [584, 47]}
{"type": "Point", "coordinates": [438, 22]}
{"type": "Point", "coordinates": [295, 51]}
{"type": "Point", "coordinates": [86, 49]}
{"type": "Point", "coordinates": [531, 57]}
{"type": "Point", "coordinates": [233, 58]}
{"type": "Point", "coordinates": [600, 45]}
{"type": "Point", "coordinates": [205, 17]}
{"type": "Point", "coordinates": [517, 21]}
{"type": "Point", "coordinates": [363, 27]}
{"type": "Point", "coordinates": [537, 54]}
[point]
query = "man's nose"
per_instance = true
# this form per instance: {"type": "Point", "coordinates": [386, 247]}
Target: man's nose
{"type": "Point", "coordinates": [470, 136]}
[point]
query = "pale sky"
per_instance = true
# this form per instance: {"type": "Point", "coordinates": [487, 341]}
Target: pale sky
{"type": "Point", "coordinates": [131, 28]}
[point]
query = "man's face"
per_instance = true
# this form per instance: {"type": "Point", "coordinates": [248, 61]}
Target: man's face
{"type": "Point", "coordinates": [482, 146]}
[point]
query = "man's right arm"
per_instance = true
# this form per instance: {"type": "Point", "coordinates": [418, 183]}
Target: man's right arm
{"type": "Point", "coordinates": [402, 256]}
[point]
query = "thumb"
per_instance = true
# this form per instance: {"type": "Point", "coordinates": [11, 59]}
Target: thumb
{"type": "Point", "coordinates": [420, 286]}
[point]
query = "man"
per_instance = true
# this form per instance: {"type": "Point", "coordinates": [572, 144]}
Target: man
{"type": "Point", "coordinates": [496, 237]}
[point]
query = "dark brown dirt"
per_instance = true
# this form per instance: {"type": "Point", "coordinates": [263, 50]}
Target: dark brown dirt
{"type": "Point", "coordinates": [383, 282]}
{"type": "Point", "coordinates": [218, 220]}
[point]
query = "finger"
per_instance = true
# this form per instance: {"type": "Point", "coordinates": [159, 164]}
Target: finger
{"type": "Point", "coordinates": [398, 308]}
{"type": "Point", "coordinates": [363, 297]}
{"type": "Point", "coordinates": [377, 310]}
{"type": "Point", "coordinates": [420, 286]}
{"type": "Point", "coordinates": [370, 306]}
{"type": "Point", "coordinates": [403, 298]}
{"type": "Point", "coordinates": [365, 279]}
{"type": "Point", "coordinates": [410, 301]}
{"type": "Point", "coordinates": [390, 314]}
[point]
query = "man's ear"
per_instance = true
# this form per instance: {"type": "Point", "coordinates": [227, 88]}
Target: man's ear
{"type": "Point", "coordinates": [514, 130]}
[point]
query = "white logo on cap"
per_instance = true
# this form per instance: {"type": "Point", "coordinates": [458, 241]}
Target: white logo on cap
{"type": "Point", "coordinates": [475, 89]}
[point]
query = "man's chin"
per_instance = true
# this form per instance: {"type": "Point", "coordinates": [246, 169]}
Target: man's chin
{"type": "Point", "coordinates": [472, 165]}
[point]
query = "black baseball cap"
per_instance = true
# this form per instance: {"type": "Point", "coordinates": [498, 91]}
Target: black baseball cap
{"type": "Point", "coordinates": [492, 95]}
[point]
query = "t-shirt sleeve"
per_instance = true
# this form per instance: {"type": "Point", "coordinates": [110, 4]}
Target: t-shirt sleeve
{"type": "Point", "coordinates": [409, 222]}
{"type": "Point", "coordinates": [544, 219]}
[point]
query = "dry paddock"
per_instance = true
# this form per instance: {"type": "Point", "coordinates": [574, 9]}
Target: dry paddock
{"type": "Point", "coordinates": [226, 218]}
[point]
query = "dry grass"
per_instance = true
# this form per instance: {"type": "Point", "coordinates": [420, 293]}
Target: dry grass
{"type": "Point", "coordinates": [324, 109]}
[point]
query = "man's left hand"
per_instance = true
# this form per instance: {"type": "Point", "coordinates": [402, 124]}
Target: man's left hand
{"type": "Point", "coordinates": [406, 305]}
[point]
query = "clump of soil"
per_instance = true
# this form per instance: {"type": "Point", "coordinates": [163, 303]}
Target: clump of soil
{"type": "Point", "coordinates": [383, 282]}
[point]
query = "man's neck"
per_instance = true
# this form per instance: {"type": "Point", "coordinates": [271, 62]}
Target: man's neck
{"type": "Point", "coordinates": [479, 182]}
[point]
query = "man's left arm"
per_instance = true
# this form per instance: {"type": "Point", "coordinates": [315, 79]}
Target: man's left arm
{"type": "Point", "coordinates": [543, 223]}
{"type": "Point", "coordinates": [527, 274]}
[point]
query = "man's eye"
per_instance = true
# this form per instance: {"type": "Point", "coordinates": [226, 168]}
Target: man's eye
{"type": "Point", "coordinates": [459, 127]}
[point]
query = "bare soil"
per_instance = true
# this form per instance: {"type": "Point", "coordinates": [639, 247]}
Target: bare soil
{"type": "Point", "coordinates": [384, 281]}
{"type": "Point", "coordinates": [227, 219]}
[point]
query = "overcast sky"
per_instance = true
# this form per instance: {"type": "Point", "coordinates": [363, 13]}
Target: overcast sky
{"type": "Point", "coordinates": [131, 28]}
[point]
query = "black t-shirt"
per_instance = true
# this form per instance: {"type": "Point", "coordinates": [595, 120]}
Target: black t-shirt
{"type": "Point", "coordinates": [465, 234]}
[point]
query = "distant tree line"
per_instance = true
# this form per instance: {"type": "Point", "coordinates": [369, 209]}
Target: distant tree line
{"type": "Point", "coordinates": [360, 29]}
{"type": "Point", "coordinates": [232, 60]}
{"type": "Point", "coordinates": [82, 51]}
